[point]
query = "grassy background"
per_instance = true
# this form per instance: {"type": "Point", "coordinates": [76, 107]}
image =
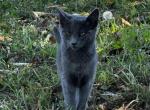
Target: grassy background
{"type": "Point", "coordinates": [123, 73]}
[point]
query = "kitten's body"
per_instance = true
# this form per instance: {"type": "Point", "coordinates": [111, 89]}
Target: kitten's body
{"type": "Point", "coordinates": [76, 64]}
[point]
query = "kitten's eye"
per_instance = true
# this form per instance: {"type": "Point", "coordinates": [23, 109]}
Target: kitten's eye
{"type": "Point", "coordinates": [67, 33]}
{"type": "Point", "coordinates": [83, 34]}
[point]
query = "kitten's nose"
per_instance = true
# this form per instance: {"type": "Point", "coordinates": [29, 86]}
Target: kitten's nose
{"type": "Point", "coordinates": [73, 43]}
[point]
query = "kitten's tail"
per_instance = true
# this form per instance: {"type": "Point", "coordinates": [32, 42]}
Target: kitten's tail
{"type": "Point", "coordinates": [57, 34]}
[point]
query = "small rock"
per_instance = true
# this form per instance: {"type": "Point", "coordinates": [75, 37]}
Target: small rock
{"type": "Point", "coordinates": [107, 15]}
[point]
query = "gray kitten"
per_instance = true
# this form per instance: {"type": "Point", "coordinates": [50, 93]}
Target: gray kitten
{"type": "Point", "coordinates": [76, 57]}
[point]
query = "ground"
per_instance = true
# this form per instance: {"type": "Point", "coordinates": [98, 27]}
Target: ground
{"type": "Point", "coordinates": [28, 77]}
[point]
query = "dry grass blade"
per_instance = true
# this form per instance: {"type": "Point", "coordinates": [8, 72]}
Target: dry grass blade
{"type": "Point", "coordinates": [128, 106]}
{"type": "Point", "coordinates": [131, 103]}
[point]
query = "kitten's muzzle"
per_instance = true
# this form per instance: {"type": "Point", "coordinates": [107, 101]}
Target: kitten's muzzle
{"type": "Point", "coordinates": [74, 45]}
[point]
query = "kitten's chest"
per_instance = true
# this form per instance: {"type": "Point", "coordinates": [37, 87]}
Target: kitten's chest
{"type": "Point", "coordinates": [78, 62]}
{"type": "Point", "coordinates": [80, 59]}
{"type": "Point", "coordinates": [77, 74]}
{"type": "Point", "coordinates": [77, 68]}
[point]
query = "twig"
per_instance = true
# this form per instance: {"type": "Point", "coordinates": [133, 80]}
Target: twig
{"type": "Point", "coordinates": [21, 64]}
{"type": "Point", "coordinates": [39, 14]}
{"type": "Point", "coordinates": [5, 71]}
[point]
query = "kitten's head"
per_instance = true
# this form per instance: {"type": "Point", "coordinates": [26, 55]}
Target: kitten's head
{"type": "Point", "coordinates": [78, 31]}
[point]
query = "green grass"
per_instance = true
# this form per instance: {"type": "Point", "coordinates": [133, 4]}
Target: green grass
{"type": "Point", "coordinates": [124, 56]}
{"type": "Point", "coordinates": [30, 88]}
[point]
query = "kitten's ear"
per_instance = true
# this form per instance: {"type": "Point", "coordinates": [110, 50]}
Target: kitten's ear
{"type": "Point", "coordinates": [92, 19]}
{"type": "Point", "coordinates": [63, 18]}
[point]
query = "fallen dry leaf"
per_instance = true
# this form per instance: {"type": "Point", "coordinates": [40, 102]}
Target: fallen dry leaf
{"type": "Point", "coordinates": [103, 106]}
{"type": "Point", "coordinates": [110, 2]}
{"type": "Point", "coordinates": [125, 22]}
{"type": "Point", "coordinates": [50, 38]}
{"type": "Point", "coordinates": [8, 38]}
{"type": "Point", "coordinates": [122, 108]}
{"type": "Point", "coordinates": [2, 38]}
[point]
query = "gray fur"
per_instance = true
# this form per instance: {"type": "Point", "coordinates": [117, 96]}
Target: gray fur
{"type": "Point", "coordinates": [76, 57]}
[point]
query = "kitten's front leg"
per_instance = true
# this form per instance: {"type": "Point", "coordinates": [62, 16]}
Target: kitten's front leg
{"type": "Point", "coordinates": [84, 93]}
{"type": "Point", "coordinates": [69, 92]}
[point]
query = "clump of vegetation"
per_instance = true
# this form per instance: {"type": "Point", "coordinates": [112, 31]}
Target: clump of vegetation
{"type": "Point", "coordinates": [28, 77]}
